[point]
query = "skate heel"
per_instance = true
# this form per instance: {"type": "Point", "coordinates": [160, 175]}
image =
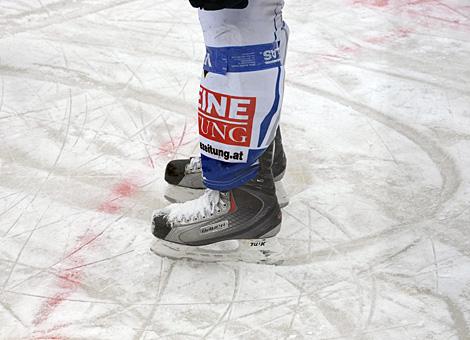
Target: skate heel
{"type": "Point", "coordinates": [272, 232]}
{"type": "Point", "coordinates": [262, 251]}
{"type": "Point", "coordinates": [279, 177]}
{"type": "Point", "coordinates": [281, 193]}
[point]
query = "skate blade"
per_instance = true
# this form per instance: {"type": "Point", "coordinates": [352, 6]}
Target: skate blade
{"type": "Point", "coordinates": [260, 251]}
{"type": "Point", "coordinates": [177, 194]}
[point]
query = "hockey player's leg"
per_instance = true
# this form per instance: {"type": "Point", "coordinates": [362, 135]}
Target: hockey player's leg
{"type": "Point", "coordinates": [239, 107]}
{"type": "Point", "coordinates": [185, 176]}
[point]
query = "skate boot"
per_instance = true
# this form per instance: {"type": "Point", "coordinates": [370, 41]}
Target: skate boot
{"type": "Point", "coordinates": [237, 225]}
{"type": "Point", "coordinates": [184, 176]}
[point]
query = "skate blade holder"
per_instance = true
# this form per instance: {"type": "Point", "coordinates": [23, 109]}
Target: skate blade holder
{"type": "Point", "coordinates": [261, 251]}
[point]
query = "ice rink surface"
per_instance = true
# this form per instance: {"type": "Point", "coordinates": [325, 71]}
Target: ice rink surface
{"type": "Point", "coordinates": [97, 96]}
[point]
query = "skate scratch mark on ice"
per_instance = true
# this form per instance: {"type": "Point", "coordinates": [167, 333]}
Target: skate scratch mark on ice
{"type": "Point", "coordinates": [58, 14]}
{"type": "Point", "coordinates": [387, 257]}
{"type": "Point", "coordinates": [453, 22]}
{"type": "Point", "coordinates": [142, 138]}
{"type": "Point", "coordinates": [13, 314]}
{"type": "Point", "coordinates": [330, 218]}
{"type": "Point", "coordinates": [141, 131]}
{"type": "Point", "coordinates": [444, 15]}
{"type": "Point", "coordinates": [180, 304]}
{"type": "Point", "coordinates": [13, 206]}
{"type": "Point", "coordinates": [301, 291]}
{"type": "Point", "coordinates": [444, 162]}
{"type": "Point", "coordinates": [18, 256]}
{"type": "Point", "coordinates": [144, 127]}
{"type": "Point", "coordinates": [100, 261]}
{"type": "Point", "coordinates": [309, 215]}
{"type": "Point", "coordinates": [373, 303]}
{"type": "Point", "coordinates": [453, 9]}
{"type": "Point", "coordinates": [110, 225]}
{"type": "Point", "coordinates": [359, 299]}
{"type": "Point", "coordinates": [456, 314]}
{"type": "Point", "coordinates": [8, 195]}
{"type": "Point", "coordinates": [330, 245]}
{"type": "Point", "coordinates": [444, 263]}
{"type": "Point", "coordinates": [335, 317]}
{"type": "Point", "coordinates": [228, 310]}
{"type": "Point", "coordinates": [133, 74]}
{"type": "Point", "coordinates": [170, 148]}
{"type": "Point", "coordinates": [3, 95]}
{"type": "Point", "coordinates": [257, 312]}
{"type": "Point", "coordinates": [421, 3]}
{"type": "Point", "coordinates": [436, 265]}
{"type": "Point", "coordinates": [151, 162]}
{"type": "Point", "coordinates": [385, 145]}
{"type": "Point", "coordinates": [261, 328]}
{"type": "Point", "coordinates": [53, 223]}
{"type": "Point", "coordinates": [47, 297]}
{"type": "Point", "coordinates": [69, 77]}
{"type": "Point", "coordinates": [162, 285]}
{"type": "Point", "coordinates": [52, 169]}
{"type": "Point", "coordinates": [80, 133]}
{"type": "Point", "coordinates": [440, 81]}
{"type": "Point", "coordinates": [180, 142]}
{"type": "Point", "coordinates": [24, 266]}
{"type": "Point", "coordinates": [169, 132]}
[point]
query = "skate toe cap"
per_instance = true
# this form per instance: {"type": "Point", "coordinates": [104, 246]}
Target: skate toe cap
{"type": "Point", "coordinates": [175, 170]}
{"type": "Point", "coordinates": [160, 225]}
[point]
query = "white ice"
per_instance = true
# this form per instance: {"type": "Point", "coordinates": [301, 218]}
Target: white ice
{"type": "Point", "coordinates": [97, 96]}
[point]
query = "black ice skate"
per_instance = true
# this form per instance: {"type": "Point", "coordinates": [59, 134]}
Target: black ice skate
{"type": "Point", "coordinates": [184, 176]}
{"type": "Point", "coordinates": [238, 225]}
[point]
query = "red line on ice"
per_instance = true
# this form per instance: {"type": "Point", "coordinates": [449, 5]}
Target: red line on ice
{"type": "Point", "coordinates": [68, 282]}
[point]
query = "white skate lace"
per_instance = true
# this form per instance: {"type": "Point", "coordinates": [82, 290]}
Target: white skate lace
{"type": "Point", "coordinates": [194, 164]}
{"type": "Point", "coordinates": [204, 207]}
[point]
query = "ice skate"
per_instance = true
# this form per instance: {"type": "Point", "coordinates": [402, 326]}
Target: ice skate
{"type": "Point", "coordinates": [184, 177]}
{"type": "Point", "coordinates": [237, 225]}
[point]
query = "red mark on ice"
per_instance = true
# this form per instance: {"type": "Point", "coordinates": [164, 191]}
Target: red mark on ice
{"type": "Point", "coordinates": [373, 3]}
{"type": "Point", "coordinates": [113, 203]}
{"type": "Point", "coordinates": [172, 146]}
{"type": "Point", "coordinates": [68, 282]}
{"type": "Point", "coordinates": [48, 333]}
{"type": "Point", "coordinates": [125, 189]}
{"type": "Point", "coordinates": [390, 37]}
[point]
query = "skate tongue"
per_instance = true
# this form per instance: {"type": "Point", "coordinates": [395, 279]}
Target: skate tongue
{"type": "Point", "coordinates": [194, 164]}
{"type": "Point", "coordinates": [201, 207]}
